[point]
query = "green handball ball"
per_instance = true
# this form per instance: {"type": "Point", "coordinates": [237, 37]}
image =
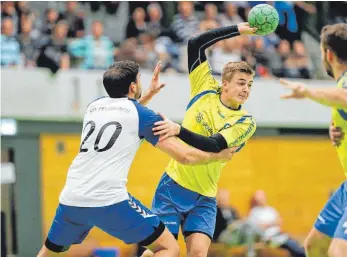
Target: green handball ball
{"type": "Point", "coordinates": [264, 17]}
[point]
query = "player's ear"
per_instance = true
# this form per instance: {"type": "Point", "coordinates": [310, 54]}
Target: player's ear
{"type": "Point", "coordinates": [224, 84]}
{"type": "Point", "coordinates": [132, 88]}
{"type": "Point", "coordinates": [329, 55]}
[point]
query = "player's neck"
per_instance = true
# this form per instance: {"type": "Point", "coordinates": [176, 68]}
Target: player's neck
{"type": "Point", "coordinates": [338, 71]}
{"type": "Point", "coordinates": [229, 103]}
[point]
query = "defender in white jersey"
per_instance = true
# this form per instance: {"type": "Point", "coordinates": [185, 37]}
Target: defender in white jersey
{"type": "Point", "coordinates": [95, 192]}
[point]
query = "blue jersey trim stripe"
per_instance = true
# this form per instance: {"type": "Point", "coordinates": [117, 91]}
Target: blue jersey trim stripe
{"type": "Point", "coordinates": [198, 96]}
{"type": "Point", "coordinates": [242, 119]}
{"type": "Point", "coordinates": [240, 147]}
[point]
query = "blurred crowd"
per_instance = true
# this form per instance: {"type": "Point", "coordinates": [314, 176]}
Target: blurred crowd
{"type": "Point", "coordinates": [59, 39]}
{"type": "Point", "coordinates": [261, 226]}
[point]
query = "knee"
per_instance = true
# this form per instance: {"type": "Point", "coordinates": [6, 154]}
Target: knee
{"type": "Point", "coordinates": [197, 252]}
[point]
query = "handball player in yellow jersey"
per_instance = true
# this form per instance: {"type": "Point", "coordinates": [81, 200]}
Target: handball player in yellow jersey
{"type": "Point", "coordinates": [332, 221]}
{"type": "Point", "coordinates": [185, 196]}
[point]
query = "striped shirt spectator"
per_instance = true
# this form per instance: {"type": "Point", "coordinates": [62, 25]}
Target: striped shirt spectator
{"type": "Point", "coordinates": [185, 24]}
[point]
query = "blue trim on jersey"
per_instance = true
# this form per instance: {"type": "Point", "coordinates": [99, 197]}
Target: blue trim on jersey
{"type": "Point", "coordinates": [96, 100]}
{"type": "Point", "coordinates": [198, 96]}
{"type": "Point", "coordinates": [241, 120]}
{"type": "Point", "coordinates": [147, 118]}
{"type": "Point", "coordinates": [342, 113]}
{"type": "Point", "coordinates": [240, 147]}
{"type": "Point", "coordinates": [230, 107]}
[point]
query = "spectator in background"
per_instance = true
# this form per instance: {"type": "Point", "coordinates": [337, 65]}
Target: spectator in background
{"type": "Point", "coordinates": [74, 20]}
{"type": "Point", "coordinates": [228, 50]}
{"type": "Point", "coordinates": [8, 11]}
{"type": "Point", "coordinates": [22, 9]}
{"type": "Point", "coordinates": [53, 52]}
{"type": "Point", "coordinates": [269, 221]}
{"type": "Point", "coordinates": [97, 50]}
{"type": "Point", "coordinates": [288, 27]}
{"type": "Point", "coordinates": [28, 41]}
{"type": "Point", "coordinates": [185, 25]}
{"type": "Point", "coordinates": [210, 21]}
{"type": "Point", "coordinates": [226, 214]}
{"type": "Point", "coordinates": [261, 55]}
{"type": "Point", "coordinates": [230, 16]}
{"type": "Point", "coordinates": [146, 54]}
{"type": "Point", "coordinates": [51, 19]}
{"type": "Point", "coordinates": [155, 15]}
{"type": "Point", "coordinates": [127, 50]}
{"type": "Point", "coordinates": [282, 54]}
{"type": "Point", "coordinates": [137, 23]}
{"type": "Point", "coordinates": [297, 64]}
{"type": "Point", "coordinates": [10, 49]}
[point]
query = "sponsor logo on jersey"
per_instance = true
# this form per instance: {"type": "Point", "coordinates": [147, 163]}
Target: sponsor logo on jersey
{"type": "Point", "coordinates": [200, 120]}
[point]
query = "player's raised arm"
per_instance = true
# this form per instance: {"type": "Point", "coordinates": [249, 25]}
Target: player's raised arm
{"type": "Point", "coordinates": [333, 97]}
{"type": "Point", "coordinates": [197, 60]}
{"type": "Point", "coordinates": [155, 86]}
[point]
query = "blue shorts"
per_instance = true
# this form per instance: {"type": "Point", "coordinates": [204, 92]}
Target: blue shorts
{"type": "Point", "coordinates": [332, 220]}
{"type": "Point", "coordinates": [128, 220]}
{"type": "Point", "coordinates": [177, 206]}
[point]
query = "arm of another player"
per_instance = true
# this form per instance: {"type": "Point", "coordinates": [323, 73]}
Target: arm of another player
{"type": "Point", "coordinates": [333, 97]}
{"type": "Point", "coordinates": [172, 146]}
{"type": "Point", "coordinates": [166, 128]}
{"type": "Point", "coordinates": [336, 134]}
{"type": "Point", "coordinates": [191, 156]}
{"type": "Point", "coordinates": [199, 71]}
{"type": "Point", "coordinates": [155, 87]}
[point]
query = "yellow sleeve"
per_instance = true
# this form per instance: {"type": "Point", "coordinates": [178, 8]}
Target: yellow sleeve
{"type": "Point", "coordinates": [201, 80]}
{"type": "Point", "coordinates": [240, 132]}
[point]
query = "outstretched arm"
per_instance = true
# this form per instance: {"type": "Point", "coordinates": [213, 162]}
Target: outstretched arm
{"type": "Point", "coordinates": [197, 45]}
{"type": "Point", "coordinates": [199, 71]}
{"type": "Point", "coordinates": [333, 97]}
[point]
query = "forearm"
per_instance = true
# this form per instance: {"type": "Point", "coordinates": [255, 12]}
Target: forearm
{"type": "Point", "coordinates": [333, 97]}
{"type": "Point", "coordinates": [185, 154]}
{"type": "Point", "coordinates": [144, 100]}
{"type": "Point", "coordinates": [197, 157]}
{"type": "Point", "coordinates": [213, 144]}
{"type": "Point", "coordinates": [198, 44]}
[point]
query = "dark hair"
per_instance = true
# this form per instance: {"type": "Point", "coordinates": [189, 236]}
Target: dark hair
{"type": "Point", "coordinates": [118, 78]}
{"type": "Point", "coordinates": [334, 38]}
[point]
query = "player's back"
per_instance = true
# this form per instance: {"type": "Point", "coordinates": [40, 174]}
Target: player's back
{"type": "Point", "coordinates": [339, 116]}
{"type": "Point", "coordinates": [109, 141]}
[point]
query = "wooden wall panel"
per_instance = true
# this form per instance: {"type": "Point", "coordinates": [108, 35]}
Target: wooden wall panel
{"type": "Point", "coordinates": [296, 173]}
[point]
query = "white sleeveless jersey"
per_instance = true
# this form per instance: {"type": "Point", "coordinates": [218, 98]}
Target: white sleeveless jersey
{"type": "Point", "coordinates": [112, 132]}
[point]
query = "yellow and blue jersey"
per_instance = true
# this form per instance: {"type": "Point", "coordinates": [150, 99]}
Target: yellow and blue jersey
{"type": "Point", "coordinates": [339, 117]}
{"type": "Point", "coordinates": [207, 115]}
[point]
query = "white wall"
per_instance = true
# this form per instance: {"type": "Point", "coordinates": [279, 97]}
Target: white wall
{"type": "Point", "coordinates": [36, 94]}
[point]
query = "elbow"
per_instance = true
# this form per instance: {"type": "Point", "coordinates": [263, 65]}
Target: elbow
{"type": "Point", "coordinates": [186, 159]}
{"type": "Point", "coordinates": [193, 41]}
